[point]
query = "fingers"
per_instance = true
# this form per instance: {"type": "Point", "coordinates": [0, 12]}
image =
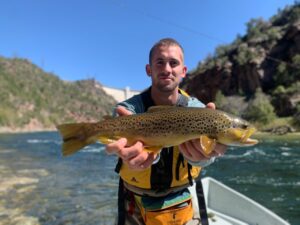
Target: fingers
{"type": "Point", "coordinates": [122, 111]}
{"type": "Point", "coordinates": [149, 161]}
{"type": "Point", "coordinates": [141, 161]}
{"type": "Point", "coordinates": [134, 156]}
{"type": "Point", "coordinates": [211, 105]}
{"type": "Point", "coordinates": [116, 146]}
{"type": "Point", "coordinates": [192, 150]}
{"type": "Point", "coordinates": [131, 152]}
{"type": "Point", "coordinates": [220, 149]}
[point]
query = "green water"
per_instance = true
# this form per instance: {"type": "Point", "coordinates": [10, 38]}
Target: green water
{"type": "Point", "coordinates": [39, 186]}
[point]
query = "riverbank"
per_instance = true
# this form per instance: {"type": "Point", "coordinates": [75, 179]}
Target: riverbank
{"type": "Point", "coordinates": [12, 130]}
{"type": "Point", "coordinates": [269, 135]}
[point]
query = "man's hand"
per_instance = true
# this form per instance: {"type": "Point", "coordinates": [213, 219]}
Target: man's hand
{"type": "Point", "coordinates": [134, 156]}
{"type": "Point", "coordinates": [192, 150]}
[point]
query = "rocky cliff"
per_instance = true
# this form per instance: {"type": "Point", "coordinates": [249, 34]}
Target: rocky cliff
{"type": "Point", "coordinates": [267, 57]}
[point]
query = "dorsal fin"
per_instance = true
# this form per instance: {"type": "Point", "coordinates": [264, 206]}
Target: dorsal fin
{"type": "Point", "coordinates": [160, 108]}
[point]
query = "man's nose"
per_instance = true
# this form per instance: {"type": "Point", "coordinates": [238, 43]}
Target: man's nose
{"type": "Point", "coordinates": [168, 67]}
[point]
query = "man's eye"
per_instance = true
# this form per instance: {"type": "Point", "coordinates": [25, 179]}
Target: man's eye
{"type": "Point", "coordinates": [174, 63]}
{"type": "Point", "coordinates": [160, 63]}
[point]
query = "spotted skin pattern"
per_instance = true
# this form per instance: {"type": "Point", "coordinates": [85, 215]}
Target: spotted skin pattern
{"type": "Point", "coordinates": [160, 126]}
{"type": "Point", "coordinates": [173, 124]}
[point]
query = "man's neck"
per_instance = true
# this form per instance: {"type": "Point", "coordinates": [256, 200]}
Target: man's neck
{"type": "Point", "coordinates": [164, 98]}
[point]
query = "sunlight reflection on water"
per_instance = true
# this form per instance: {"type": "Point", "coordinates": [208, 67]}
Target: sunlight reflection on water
{"type": "Point", "coordinates": [39, 186]}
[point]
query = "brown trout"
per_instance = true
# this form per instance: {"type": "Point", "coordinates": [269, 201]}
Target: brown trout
{"type": "Point", "coordinates": [161, 126]}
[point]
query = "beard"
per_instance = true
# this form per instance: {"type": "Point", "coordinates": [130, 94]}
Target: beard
{"type": "Point", "coordinates": [167, 87]}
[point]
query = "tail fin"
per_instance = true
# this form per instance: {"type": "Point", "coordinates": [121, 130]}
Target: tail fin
{"type": "Point", "coordinates": [74, 137]}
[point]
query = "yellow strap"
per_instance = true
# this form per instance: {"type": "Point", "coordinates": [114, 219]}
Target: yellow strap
{"type": "Point", "coordinates": [183, 93]}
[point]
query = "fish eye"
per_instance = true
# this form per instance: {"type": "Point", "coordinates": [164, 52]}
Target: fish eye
{"type": "Point", "coordinates": [237, 123]}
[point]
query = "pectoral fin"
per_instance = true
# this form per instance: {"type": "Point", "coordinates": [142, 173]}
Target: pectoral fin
{"type": "Point", "coordinates": [207, 144]}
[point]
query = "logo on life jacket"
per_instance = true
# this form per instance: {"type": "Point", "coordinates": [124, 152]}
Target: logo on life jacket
{"type": "Point", "coordinates": [134, 180]}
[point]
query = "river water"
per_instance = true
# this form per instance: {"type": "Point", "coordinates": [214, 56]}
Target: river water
{"type": "Point", "coordinates": [39, 186]}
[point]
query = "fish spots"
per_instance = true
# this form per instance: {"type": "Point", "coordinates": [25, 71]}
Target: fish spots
{"type": "Point", "coordinates": [173, 123]}
{"type": "Point", "coordinates": [168, 127]}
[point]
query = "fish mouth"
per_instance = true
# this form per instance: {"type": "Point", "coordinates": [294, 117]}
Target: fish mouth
{"type": "Point", "coordinates": [246, 140]}
{"type": "Point", "coordinates": [239, 137]}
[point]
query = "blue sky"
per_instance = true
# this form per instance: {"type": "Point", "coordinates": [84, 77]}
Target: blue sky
{"type": "Point", "coordinates": [109, 40]}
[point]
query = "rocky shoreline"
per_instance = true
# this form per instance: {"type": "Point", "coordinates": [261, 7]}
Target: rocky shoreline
{"type": "Point", "coordinates": [34, 125]}
{"type": "Point", "coordinates": [25, 129]}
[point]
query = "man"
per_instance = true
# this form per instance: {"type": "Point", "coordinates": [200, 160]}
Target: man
{"type": "Point", "coordinates": [153, 186]}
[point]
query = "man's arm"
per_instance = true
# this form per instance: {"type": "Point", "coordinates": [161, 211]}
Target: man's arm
{"type": "Point", "coordinates": [134, 156]}
{"type": "Point", "coordinates": [193, 152]}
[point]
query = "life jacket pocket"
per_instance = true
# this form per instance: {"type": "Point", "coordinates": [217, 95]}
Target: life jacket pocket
{"type": "Point", "coordinates": [173, 210]}
{"type": "Point", "coordinates": [176, 215]}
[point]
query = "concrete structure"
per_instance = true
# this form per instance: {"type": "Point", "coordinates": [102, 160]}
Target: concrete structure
{"type": "Point", "coordinates": [120, 94]}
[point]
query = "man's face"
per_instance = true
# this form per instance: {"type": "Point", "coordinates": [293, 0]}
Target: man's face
{"type": "Point", "coordinates": [167, 68]}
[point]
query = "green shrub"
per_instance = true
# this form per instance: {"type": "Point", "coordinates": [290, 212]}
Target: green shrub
{"type": "Point", "coordinates": [279, 90]}
{"type": "Point", "coordinates": [296, 117]}
{"type": "Point", "coordinates": [6, 117]}
{"type": "Point", "coordinates": [260, 109]}
{"type": "Point", "coordinates": [288, 73]}
{"type": "Point", "coordinates": [294, 88]}
{"type": "Point", "coordinates": [231, 104]}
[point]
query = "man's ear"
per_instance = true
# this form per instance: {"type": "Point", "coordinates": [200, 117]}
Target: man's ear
{"type": "Point", "coordinates": [184, 70]}
{"type": "Point", "coordinates": [148, 70]}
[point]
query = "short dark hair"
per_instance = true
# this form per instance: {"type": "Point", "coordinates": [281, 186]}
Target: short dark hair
{"type": "Point", "coordinates": [164, 42]}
